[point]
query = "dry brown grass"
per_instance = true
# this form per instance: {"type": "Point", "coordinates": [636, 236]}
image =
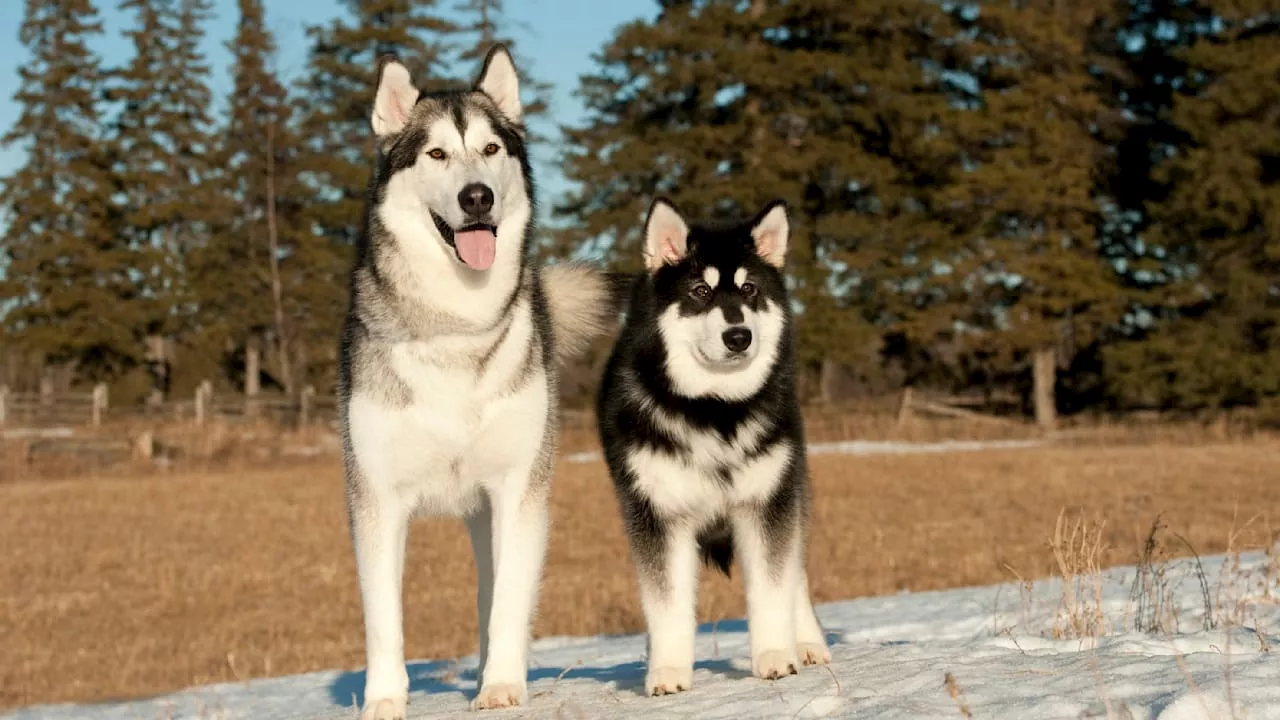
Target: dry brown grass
{"type": "Point", "coordinates": [116, 587]}
{"type": "Point", "coordinates": [177, 447]}
{"type": "Point", "coordinates": [1078, 550]}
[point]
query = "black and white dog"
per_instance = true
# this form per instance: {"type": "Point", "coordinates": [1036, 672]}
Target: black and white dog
{"type": "Point", "coordinates": [703, 437]}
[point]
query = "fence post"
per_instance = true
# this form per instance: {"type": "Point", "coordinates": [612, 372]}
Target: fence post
{"type": "Point", "coordinates": [46, 390]}
{"type": "Point", "coordinates": [904, 406]}
{"type": "Point", "coordinates": [204, 401]}
{"type": "Point", "coordinates": [252, 378]}
{"type": "Point", "coordinates": [308, 398]}
{"type": "Point", "coordinates": [99, 402]}
{"type": "Point", "coordinates": [4, 403]}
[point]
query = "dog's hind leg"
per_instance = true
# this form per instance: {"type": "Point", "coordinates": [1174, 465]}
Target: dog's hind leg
{"type": "Point", "coordinates": [480, 525]}
{"type": "Point", "coordinates": [379, 525]}
{"type": "Point", "coordinates": [768, 545]}
{"type": "Point", "coordinates": [520, 526]}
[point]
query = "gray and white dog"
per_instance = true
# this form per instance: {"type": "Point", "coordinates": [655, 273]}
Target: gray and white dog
{"type": "Point", "coordinates": [704, 439]}
{"type": "Point", "coordinates": [448, 365]}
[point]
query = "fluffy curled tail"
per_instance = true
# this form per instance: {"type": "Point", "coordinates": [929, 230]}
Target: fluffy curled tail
{"type": "Point", "coordinates": [584, 302]}
{"type": "Point", "coordinates": [715, 545]}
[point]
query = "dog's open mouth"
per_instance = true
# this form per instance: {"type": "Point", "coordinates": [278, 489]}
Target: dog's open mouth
{"type": "Point", "coordinates": [475, 244]}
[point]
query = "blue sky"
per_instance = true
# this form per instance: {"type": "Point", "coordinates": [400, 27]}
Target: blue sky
{"type": "Point", "coordinates": [558, 37]}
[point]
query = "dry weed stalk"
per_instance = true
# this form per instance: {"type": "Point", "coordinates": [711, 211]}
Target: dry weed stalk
{"type": "Point", "coordinates": [1026, 601]}
{"type": "Point", "coordinates": [1151, 590]}
{"type": "Point", "coordinates": [953, 689]}
{"type": "Point", "coordinates": [1078, 551]}
{"type": "Point", "coordinates": [1237, 588]}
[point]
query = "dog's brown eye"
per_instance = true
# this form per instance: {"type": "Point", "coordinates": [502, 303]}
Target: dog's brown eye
{"type": "Point", "coordinates": [749, 289]}
{"type": "Point", "coordinates": [701, 291]}
{"type": "Point", "coordinates": [491, 149]}
{"type": "Point", "coordinates": [437, 154]}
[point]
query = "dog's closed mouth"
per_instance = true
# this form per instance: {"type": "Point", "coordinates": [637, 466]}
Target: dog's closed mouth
{"type": "Point", "coordinates": [476, 245]}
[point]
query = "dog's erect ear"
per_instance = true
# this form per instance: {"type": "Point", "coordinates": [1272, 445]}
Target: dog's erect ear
{"type": "Point", "coordinates": [498, 80]}
{"type": "Point", "coordinates": [770, 232]}
{"type": "Point", "coordinates": [394, 98]}
{"type": "Point", "coordinates": [666, 235]}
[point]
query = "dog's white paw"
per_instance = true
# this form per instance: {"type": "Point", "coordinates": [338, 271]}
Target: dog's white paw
{"type": "Point", "coordinates": [774, 664]}
{"type": "Point", "coordinates": [813, 653]}
{"type": "Point", "coordinates": [384, 709]}
{"type": "Point", "coordinates": [500, 695]}
{"type": "Point", "coordinates": [668, 680]}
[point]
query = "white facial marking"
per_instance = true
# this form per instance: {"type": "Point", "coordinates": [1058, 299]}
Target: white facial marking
{"type": "Point", "coordinates": [430, 185]}
{"type": "Point", "coordinates": [711, 276]}
{"type": "Point", "coordinates": [740, 276]}
{"type": "Point", "coordinates": [433, 184]}
{"type": "Point", "coordinates": [699, 364]}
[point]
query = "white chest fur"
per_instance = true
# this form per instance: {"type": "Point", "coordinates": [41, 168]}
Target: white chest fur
{"type": "Point", "coordinates": [465, 425]}
{"type": "Point", "coordinates": [689, 483]}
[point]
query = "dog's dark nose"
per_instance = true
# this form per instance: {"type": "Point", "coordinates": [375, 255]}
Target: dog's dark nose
{"type": "Point", "coordinates": [476, 200]}
{"type": "Point", "coordinates": [737, 339]}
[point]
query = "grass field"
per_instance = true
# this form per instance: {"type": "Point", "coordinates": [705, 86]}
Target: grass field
{"type": "Point", "coordinates": [120, 587]}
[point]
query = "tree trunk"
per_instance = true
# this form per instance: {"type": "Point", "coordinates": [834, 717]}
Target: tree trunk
{"type": "Point", "coordinates": [828, 377]}
{"type": "Point", "coordinates": [158, 358]}
{"type": "Point", "coordinates": [1044, 373]}
{"type": "Point", "coordinates": [282, 339]}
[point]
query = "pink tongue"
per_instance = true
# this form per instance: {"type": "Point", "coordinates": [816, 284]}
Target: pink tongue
{"type": "Point", "coordinates": [476, 248]}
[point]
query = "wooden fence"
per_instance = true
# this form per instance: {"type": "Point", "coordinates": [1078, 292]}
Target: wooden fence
{"type": "Point", "coordinates": [94, 408]}
{"type": "Point", "coordinates": [959, 407]}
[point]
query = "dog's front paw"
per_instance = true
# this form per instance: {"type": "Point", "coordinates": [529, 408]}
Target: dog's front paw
{"type": "Point", "coordinates": [774, 664]}
{"type": "Point", "coordinates": [668, 680]}
{"type": "Point", "coordinates": [500, 695]}
{"type": "Point", "coordinates": [384, 709]}
{"type": "Point", "coordinates": [813, 653]}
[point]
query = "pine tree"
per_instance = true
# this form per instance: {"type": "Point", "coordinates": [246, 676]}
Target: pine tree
{"type": "Point", "coordinates": [231, 274]}
{"type": "Point", "coordinates": [721, 107]}
{"type": "Point", "coordinates": [334, 147]}
{"type": "Point", "coordinates": [484, 23]}
{"type": "Point", "coordinates": [1215, 340]}
{"type": "Point", "coordinates": [337, 90]}
{"type": "Point", "coordinates": [1017, 277]}
{"type": "Point", "coordinates": [70, 274]}
{"type": "Point", "coordinates": [162, 137]}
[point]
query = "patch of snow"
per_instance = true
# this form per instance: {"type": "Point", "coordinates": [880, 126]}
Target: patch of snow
{"type": "Point", "coordinates": [868, 447]}
{"type": "Point", "coordinates": [891, 658]}
{"type": "Point", "coordinates": [877, 447]}
{"type": "Point", "coordinates": [37, 433]}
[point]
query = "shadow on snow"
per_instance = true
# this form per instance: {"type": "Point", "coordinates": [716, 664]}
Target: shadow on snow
{"type": "Point", "coordinates": [445, 677]}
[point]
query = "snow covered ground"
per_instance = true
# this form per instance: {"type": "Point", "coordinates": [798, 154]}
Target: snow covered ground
{"type": "Point", "coordinates": [892, 659]}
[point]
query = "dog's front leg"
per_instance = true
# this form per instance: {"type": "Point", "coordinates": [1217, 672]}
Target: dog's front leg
{"type": "Point", "coordinates": [667, 565]}
{"type": "Point", "coordinates": [480, 526]}
{"type": "Point", "coordinates": [768, 544]}
{"type": "Point", "coordinates": [379, 525]}
{"type": "Point", "coordinates": [520, 525]}
{"type": "Point", "coordinates": [811, 641]}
